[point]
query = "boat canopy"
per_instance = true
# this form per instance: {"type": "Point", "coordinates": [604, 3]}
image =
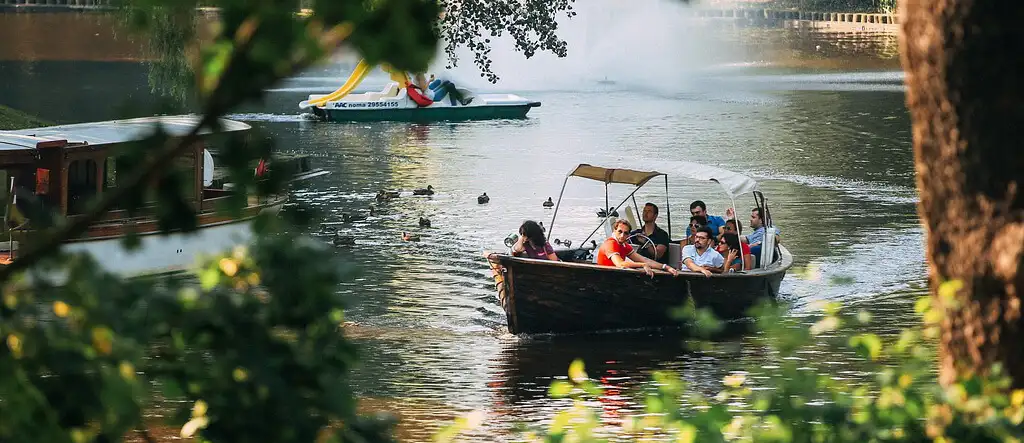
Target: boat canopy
{"type": "Point", "coordinates": [608, 175]}
{"type": "Point", "coordinates": [733, 183]}
{"type": "Point", "coordinates": [109, 132]}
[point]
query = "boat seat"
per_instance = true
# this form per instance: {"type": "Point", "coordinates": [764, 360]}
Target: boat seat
{"type": "Point", "coordinates": [389, 91]}
{"type": "Point", "coordinates": [609, 225]}
{"type": "Point", "coordinates": [675, 255]}
{"type": "Point", "coordinates": [631, 218]}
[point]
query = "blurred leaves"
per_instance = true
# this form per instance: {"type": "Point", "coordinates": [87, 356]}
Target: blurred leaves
{"type": "Point", "coordinates": [252, 342]}
{"type": "Point", "coordinates": [898, 399]}
{"type": "Point", "coordinates": [401, 33]}
{"type": "Point", "coordinates": [257, 350]}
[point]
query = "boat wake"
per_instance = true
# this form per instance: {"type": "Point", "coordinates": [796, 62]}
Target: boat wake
{"type": "Point", "coordinates": [843, 277]}
{"type": "Point", "coordinates": [858, 189]}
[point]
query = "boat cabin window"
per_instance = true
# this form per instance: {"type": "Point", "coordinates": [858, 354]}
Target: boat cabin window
{"type": "Point", "coordinates": [5, 191]}
{"type": "Point", "coordinates": [110, 173]}
{"type": "Point", "coordinates": [82, 184]}
{"type": "Point", "coordinates": [184, 166]}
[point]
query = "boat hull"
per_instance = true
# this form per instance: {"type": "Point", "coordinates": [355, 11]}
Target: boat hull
{"type": "Point", "coordinates": [163, 254]}
{"type": "Point", "coordinates": [540, 296]}
{"type": "Point", "coordinates": [428, 114]}
{"type": "Point", "coordinates": [160, 253]}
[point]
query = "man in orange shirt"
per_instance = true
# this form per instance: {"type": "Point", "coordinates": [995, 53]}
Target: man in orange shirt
{"type": "Point", "coordinates": [615, 251]}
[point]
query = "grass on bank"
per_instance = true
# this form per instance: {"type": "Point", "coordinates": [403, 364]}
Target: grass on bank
{"type": "Point", "coordinates": [11, 118]}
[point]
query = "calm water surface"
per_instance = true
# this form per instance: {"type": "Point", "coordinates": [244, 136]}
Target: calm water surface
{"type": "Point", "coordinates": [830, 148]}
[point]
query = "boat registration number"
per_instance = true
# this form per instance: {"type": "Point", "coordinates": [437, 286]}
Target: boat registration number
{"type": "Point", "coordinates": [387, 104]}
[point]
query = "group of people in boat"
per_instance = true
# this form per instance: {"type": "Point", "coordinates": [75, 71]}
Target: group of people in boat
{"type": "Point", "coordinates": [713, 244]}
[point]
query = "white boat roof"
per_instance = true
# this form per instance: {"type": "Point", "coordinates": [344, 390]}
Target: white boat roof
{"type": "Point", "coordinates": [733, 183]}
{"type": "Point", "coordinates": [108, 132]}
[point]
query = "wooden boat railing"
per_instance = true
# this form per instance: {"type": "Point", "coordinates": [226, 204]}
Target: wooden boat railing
{"type": "Point", "coordinates": [783, 263]}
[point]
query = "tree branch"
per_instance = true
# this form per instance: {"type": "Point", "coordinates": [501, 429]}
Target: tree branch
{"type": "Point", "coordinates": [169, 151]}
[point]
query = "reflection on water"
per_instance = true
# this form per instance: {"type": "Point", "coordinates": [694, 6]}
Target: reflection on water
{"type": "Point", "coordinates": [830, 148]}
{"type": "Point", "coordinates": [836, 166]}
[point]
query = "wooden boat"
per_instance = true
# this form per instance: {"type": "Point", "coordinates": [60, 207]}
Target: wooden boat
{"type": "Point", "coordinates": [575, 295]}
{"type": "Point", "coordinates": [66, 166]}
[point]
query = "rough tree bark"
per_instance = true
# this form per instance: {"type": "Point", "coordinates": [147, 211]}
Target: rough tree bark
{"type": "Point", "coordinates": [964, 64]}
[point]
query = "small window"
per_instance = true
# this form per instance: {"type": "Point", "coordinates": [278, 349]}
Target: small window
{"type": "Point", "coordinates": [81, 184]}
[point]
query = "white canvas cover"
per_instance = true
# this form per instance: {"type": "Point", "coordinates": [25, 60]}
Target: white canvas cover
{"type": "Point", "coordinates": [733, 183]}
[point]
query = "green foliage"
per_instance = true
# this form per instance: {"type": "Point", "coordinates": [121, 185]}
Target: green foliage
{"type": "Point", "coordinates": [249, 347]}
{"type": "Point", "coordinates": [11, 118]}
{"type": "Point", "coordinates": [171, 27]}
{"type": "Point", "coordinates": [402, 33]}
{"type": "Point", "coordinates": [899, 401]}
{"type": "Point", "coordinates": [473, 24]}
{"type": "Point", "coordinates": [255, 349]}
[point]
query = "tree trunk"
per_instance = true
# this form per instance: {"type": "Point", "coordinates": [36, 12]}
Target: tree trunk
{"type": "Point", "coordinates": [964, 64]}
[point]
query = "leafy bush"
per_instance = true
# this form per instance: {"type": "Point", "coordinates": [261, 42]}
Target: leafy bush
{"type": "Point", "coordinates": [900, 401]}
{"type": "Point", "coordinates": [251, 348]}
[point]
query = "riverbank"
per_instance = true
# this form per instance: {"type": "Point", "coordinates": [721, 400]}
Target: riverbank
{"type": "Point", "coordinates": [11, 118]}
{"type": "Point", "coordinates": [769, 14]}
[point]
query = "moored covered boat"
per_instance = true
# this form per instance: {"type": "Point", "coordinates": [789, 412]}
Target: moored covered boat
{"type": "Point", "coordinates": [64, 167]}
{"type": "Point", "coordinates": [574, 295]}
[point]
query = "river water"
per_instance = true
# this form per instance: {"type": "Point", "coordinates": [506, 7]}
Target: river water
{"type": "Point", "coordinates": [824, 131]}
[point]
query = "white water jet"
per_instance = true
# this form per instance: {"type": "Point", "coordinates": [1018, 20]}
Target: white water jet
{"type": "Point", "coordinates": [648, 44]}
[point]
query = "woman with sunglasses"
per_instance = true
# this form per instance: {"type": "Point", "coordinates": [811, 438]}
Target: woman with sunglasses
{"type": "Point", "coordinates": [616, 251]}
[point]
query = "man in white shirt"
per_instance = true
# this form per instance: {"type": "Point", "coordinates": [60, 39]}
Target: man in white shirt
{"type": "Point", "coordinates": [700, 256]}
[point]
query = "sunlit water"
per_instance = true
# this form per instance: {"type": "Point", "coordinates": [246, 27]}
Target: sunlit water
{"type": "Point", "coordinates": [829, 147]}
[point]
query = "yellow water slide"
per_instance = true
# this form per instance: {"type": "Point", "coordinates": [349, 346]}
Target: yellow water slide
{"type": "Point", "coordinates": [397, 76]}
{"type": "Point", "coordinates": [358, 74]}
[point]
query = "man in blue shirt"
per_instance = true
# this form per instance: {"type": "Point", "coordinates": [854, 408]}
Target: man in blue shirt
{"type": "Point", "coordinates": [714, 222]}
{"type": "Point", "coordinates": [755, 238]}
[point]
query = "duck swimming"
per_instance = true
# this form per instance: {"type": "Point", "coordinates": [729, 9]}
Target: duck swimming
{"type": "Point", "coordinates": [549, 203]}
{"type": "Point", "coordinates": [603, 213]}
{"type": "Point", "coordinates": [383, 196]}
{"type": "Point", "coordinates": [410, 237]}
{"type": "Point", "coordinates": [424, 222]}
{"type": "Point", "coordinates": [348, 218]}
{"type": "Point", "coordinates": [428, 191]}
{"type": "Point", "coordinates": [483, 199]}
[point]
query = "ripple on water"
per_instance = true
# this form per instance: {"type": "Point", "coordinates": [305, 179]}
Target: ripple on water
{"type": "Point", "coordinates": [834, 164]}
